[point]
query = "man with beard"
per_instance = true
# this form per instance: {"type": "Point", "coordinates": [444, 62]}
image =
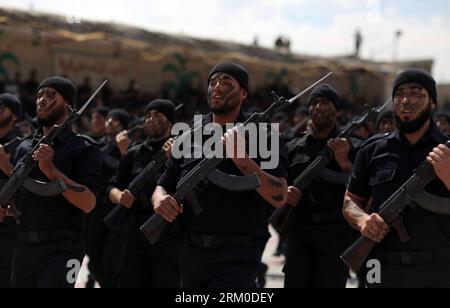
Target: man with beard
{"type": "Point", "coordinates": [224, 243]}
{"type": "Point", "coordinates": [50, 249]}
{"type": "Point", "coordinates": [104, 246]}
{"type": "Point", "coordinates": [386, 162]}
{"type": "Point", "coordinates": [317, 232]}
{"type": "Point", "coordinates": [10, 113]}
{"type": "Point", "coordinates": [147, 266]}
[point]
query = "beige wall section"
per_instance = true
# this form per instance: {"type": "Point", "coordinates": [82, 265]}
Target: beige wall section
{"type": "Point", "coordinates": [99, 55]}
{"type": "Point", "coordinates": [444, 94]}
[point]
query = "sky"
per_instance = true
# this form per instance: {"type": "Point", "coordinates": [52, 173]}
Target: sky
{"type": "Point", "coordinates": [323, 28]}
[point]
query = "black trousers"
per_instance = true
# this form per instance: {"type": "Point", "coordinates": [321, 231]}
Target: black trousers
{"type": "Point", "coordinates": [8, 242]}
{"type": "Point", "coordinates": [111, 262]}
{"type": "Point", "coordinates": [147, 266]}
{"type": "Point", "coordinates": [231, 267]}
{"type": "Point", "coordinates": [47, 265]}
{"type": "Point", "coordinates": [97, 235]}
{"type": "Point", "coordinates": [105, 248]}
{"type": "Point", "coordinates": [313, 257]}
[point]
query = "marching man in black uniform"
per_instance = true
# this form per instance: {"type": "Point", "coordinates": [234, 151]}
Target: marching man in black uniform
{"type": "Point", "coordinates": [104, 246]}
{"type": "Point", "coordinates": [223, 243]}
{"type": "Point", "coordinates": [50, 250]}
{"type": "Point", "coordinates": [386, 162]}
{"type": "Point", "coordinates": [317, 232]}
{"type": "Point", "coordinates": [147, 266]}
{"type": "Point", "coordinates": [10, 113]}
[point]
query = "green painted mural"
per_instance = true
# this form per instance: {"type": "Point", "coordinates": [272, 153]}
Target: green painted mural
{"type": "Point", "coordinates": [7, 57]}
{"type": "Point", "coordinates": [183, 78]}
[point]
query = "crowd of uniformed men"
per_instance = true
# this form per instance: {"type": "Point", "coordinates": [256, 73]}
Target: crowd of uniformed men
{"type": "Point", "coordinates": [222, 246]}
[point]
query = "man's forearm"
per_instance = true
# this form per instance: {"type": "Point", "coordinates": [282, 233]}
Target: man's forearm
{"type": "Point", "coordinates": [353, 213]}
{"type": "Point", "coordinates": [346, 166]}
{"type": "Point", "coordinates": [273, 189]}
{"type": "Point", "coordinates": [84, 200]}
{"type": "Point", "coordinates": [7, 168]}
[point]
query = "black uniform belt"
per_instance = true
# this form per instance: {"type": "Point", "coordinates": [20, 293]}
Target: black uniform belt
{"type": "Point", "coordinates": [38, 237]}
{"type": "Point", "coordinates": [320, 217]}
{"type": "Point", "coordinates": [412, 257]}
{"type": "Point", "coordinates": [220, 241]}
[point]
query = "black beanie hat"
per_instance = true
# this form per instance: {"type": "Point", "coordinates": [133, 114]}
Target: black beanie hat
{"type": "Point", "coordinates": [415, 75]}
{"type": "Point", "coordinates": [164, 106]}
{"type": "Point", "coordinates": [12, 103]}
{"type": "Point", "coordinates": [103, 111]}
{"type": "Point", "coordinates": [442, 114]}
{"type": "Point", "coordinates": [237, 71]}
{"type": "Point", "coordinates": [327, 92]}
{"type": "Point", "coordinates": [386, 114]}
{"type": "Point", "coordinates": [63, 86]}
{"type": "Point", "coordinates": [121, 115]}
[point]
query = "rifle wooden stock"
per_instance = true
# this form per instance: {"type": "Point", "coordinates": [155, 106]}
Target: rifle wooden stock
{"type": "Point", "coordinates": [280, 217]}
{"type": "Point", "coordinates": [154, 228]}
{"type": "Point", "coordinates": [357, 254]}
{"type": "Point", "coordinates": [116, 216]}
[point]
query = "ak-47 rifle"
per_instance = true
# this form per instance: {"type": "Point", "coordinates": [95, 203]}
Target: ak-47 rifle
{"type": "Point", "coordinates": [136, 187]}
{"type": "Point", "coordinates": [20, 176]}
{"type": "Point", "coordinates": [280, 217]}
{"type": "Point", "coordinates": [391, 211]}
{"type": "Point", "coordinates": [155, 226]}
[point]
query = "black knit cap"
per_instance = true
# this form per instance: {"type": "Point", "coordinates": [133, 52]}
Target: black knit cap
{"type": "Point", "coordinates": [442, 114]}
{"type": "Point", "coordinates": [325, 91]}
{"type": "Point", "coordinates": [237, 71]}
{"type": "Point", "coordinates": [103, 111]}
{"type": "Point", "coordinates": [415, 75]}
{"type": "Point", "coordinates": [164, 106]}
{"type": "Point", "coordinates": [121, 115]}
{"type": "Point", "coordinates": [12, 103]}
{"type": "Point", "coordinates": [386, 114]}
{"type": "Point", "coordinates": [63, 86]}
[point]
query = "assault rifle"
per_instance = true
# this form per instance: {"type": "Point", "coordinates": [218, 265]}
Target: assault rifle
{"type": "Point", "coordinates": [155, 226]}
{"type": "Point", "coordinates": [280, 217]}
